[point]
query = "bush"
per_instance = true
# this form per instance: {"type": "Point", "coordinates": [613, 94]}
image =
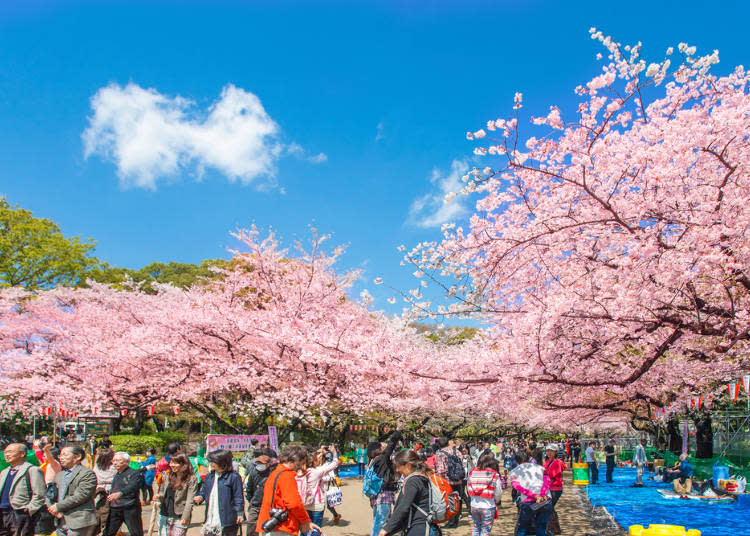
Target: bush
{"type": "Point", "coordinates": [136, 444]}
{"type": "Point", "coordinates": [168, 436]}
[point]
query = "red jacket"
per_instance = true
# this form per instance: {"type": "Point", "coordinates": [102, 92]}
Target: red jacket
{"type": "Point", "coordinates": [554, 470]}
{"type": "Point", "coordinates": [286, 496]}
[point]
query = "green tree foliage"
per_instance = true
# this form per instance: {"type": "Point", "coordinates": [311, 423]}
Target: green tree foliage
{"type": "Point", "coordinates": [35, 254]}
{"type": "Point", "coordinates": [449, 335]}
{"type": "Point", "coordinates": [179, 274]}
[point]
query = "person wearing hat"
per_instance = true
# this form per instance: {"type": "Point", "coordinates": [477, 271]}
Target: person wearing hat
{"type": "Point", "coordinates": [554, 467]}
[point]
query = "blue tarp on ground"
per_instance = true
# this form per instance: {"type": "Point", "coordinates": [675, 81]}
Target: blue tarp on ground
{"type": "Point", "coordinates": [645, 506]}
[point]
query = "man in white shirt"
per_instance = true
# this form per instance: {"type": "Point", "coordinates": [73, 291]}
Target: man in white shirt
{"type": "Point", "coordinates": [591, 460]}
{"type": "Point", "coordinates": [639, 459]}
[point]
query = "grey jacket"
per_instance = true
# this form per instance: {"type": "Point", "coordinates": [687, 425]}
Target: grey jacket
{"type": "Point", "coordinates": [183, 498]}
{"type": "Point", "coordinates": [23, 496]}
{"type": "Point", "coordinates": [77, 502]}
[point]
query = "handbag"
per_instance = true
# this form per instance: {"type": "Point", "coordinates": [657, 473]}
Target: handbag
{"type": "Point", "coordinates": [537, 506]}
{"type": "Point", "coordinates": [333, 496]}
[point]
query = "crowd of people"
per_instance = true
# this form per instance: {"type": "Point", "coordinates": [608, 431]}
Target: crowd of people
{"type": "Point", "coordinates": [289, 493]}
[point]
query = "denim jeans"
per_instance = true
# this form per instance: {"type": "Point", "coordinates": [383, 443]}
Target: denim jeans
{"type": "Point", "coordinates": [316, 518]}
{"type": "Point", "coordinates": [526, 515]}
{"type": "Point", "coordinates": [594, 472]}
{"type": "Point", "coordinates": [380, 513]}
{"type": "Point", "coordinates": [163, 525]}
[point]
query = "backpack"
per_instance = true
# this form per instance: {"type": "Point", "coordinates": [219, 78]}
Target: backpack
{"type": "Point", "coordinates": [456, 471]}
{"type": "Point", "coordinates": [372, 482]}
{"type": "Point", "coordinates": [443, 502]}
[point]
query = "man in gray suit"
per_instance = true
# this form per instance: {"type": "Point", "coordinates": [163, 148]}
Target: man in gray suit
{"type": "Point", "coordinates": [21, 493]}
{"type": "Point", "coordinates": [76, 486]}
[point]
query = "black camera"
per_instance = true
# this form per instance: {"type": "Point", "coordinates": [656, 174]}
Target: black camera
{"type": "Point", "coordinates": [277, 515]}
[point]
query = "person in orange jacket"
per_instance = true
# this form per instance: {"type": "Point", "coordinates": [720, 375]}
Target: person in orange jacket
{"type": "Point", "coordinates": [285, 495]}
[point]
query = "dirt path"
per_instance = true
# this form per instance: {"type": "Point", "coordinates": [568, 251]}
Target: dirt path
{"type": "Point", "coordinates": [357, 515]}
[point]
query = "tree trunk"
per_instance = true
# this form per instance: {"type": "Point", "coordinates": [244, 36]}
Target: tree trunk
{"type": "Point", "coordinates": [139, 422]}
{"type": "Point", "coordinates": [288, 430]}
{"type": "Point", "coordinates": [215, 417]}
{"type": "Point", "coordinates": [704, 435]}
{"type": "Point", "coordinates": [675, 436]}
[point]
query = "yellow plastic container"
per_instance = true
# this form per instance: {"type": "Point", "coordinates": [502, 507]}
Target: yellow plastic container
{"type": "Point", "coordinates": [581, 474]}
{"type": "Point", "coordinates": [662, 530]}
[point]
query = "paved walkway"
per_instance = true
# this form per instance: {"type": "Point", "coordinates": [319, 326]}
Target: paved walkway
{"type": "Point", "coordinates": [357, 515]}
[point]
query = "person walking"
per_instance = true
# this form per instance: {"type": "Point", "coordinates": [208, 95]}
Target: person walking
{"type": "Point", "coordinates": [361, 456]}
{"type": "Point", "coordinates": [163, 464]}
{"type": "Point", "coordinates": [639, 459]}
{"type": "Point", "coordinates": [554, 468]}
{"type": "Point", "coordinates": [449, 466]}
{"type": "Point", "coordinates": [105, 471]}
{"type": "Point", "coordinates": [576, 450]}
{"type": "Point", "coordinates": [124, 504]}
{"type": "Point", "coordinates": [380, 460]}
{"type": "Point", "coordinates": [280, 492]}
{"type": "Point", "coordinates": [410, 513]}
{"type": "Point", "coordinates": [149, 466]}
{"type": "Point", "coordinates": [483, 487]}
{"type": "Point", "coordinates": [532, 485]}
{"type": "Point", "coordinates": [76, 486]}
{"type": "Point", "coordinates": [222, 493]}
{"type": "Point", "coordinates": [609, 451]}
{"type": "Point", "coordinates": [591, 461]}
{"type": "Point", "coordinates": [256, 479]}
{"type": "Point", "coordinates": [21, 493]}
{"type": "Point", "coordinates": [175, 494]}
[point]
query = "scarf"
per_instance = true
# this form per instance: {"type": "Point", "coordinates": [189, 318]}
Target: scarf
{"type": "Point", "coordinates": [212, 526]}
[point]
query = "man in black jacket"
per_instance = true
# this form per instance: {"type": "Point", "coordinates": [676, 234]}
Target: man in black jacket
{"type": "Point", "coordinates": [256, 478]}
{"type": "Point", "coordinates": [124, 503]}
{"type": "Point", "coordinates": [380, 455]}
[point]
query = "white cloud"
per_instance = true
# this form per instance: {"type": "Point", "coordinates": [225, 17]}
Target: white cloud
{"type": "Point", "coordinates": [432, 210]}
{"type": "Point", "coordinates": [295, 149]}
{"type": "Point", "coordinates": [150, 136]}
{"type": "Point", "coordinates": [380, 135]}
{"type": "Point", "coordinates": [318, 158]}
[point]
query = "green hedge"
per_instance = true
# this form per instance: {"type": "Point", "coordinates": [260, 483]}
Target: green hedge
{"type": "Point", "coordinates": [136, 444]}
{"type": "Point", "coordinates": [169, 436]}
{"type": "Point", "coordinates": [139, 444]}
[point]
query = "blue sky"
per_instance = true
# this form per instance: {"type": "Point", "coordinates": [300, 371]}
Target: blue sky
{"type": "Point", "coordinates": [340, 115]}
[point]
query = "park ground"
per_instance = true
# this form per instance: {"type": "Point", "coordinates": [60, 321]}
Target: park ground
{"type": "Point", "coordinates": [573, 511]}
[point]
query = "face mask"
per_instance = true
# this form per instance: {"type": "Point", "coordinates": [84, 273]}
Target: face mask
{"type": "Point", "coordinates": [260, 467]}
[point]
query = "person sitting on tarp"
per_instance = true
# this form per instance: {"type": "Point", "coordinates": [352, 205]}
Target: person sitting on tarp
{"type": "Point", "coordinates": [683, 482]}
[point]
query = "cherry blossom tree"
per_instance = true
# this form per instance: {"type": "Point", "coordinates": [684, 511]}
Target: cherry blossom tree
{"type": "Point", "coordinates": [608, 251]}
{"type": "Point", "coordinates": [273, 333]}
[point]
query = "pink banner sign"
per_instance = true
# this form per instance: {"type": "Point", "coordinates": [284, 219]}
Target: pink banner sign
{"type": "Point", "coordinates": [235, 443]}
